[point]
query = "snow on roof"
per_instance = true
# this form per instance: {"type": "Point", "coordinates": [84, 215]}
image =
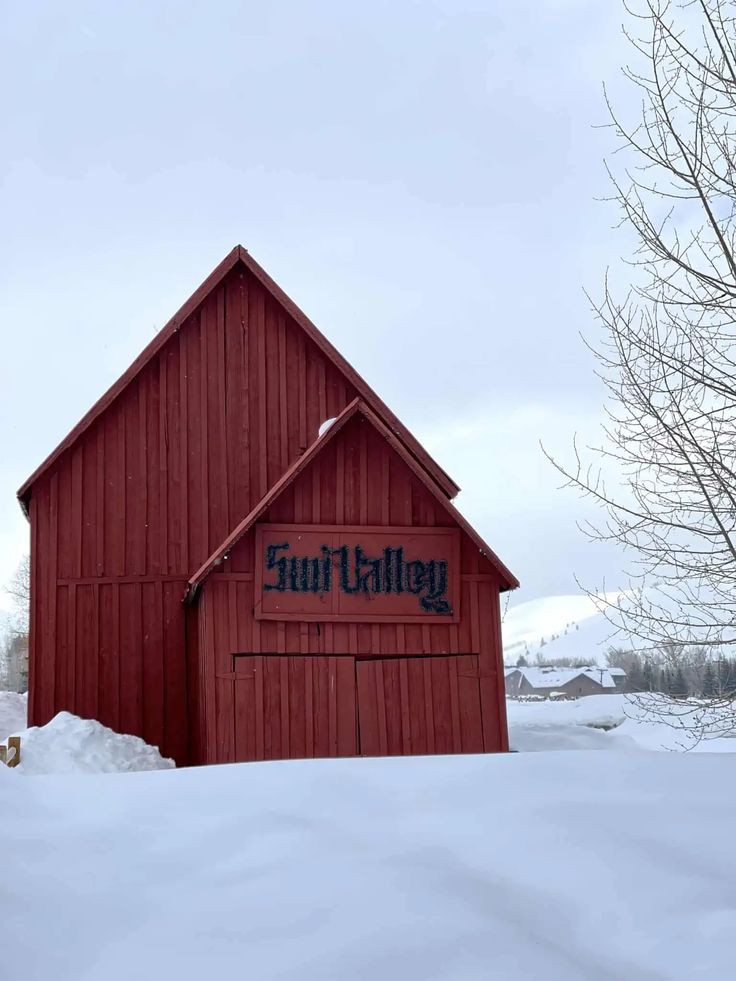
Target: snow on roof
{"type": "Point", "coordinates": [551, 678]}
{"type": "Point", "coordinates": [617, 672]}
{"type": "Point", "coordinates": [601, 676]}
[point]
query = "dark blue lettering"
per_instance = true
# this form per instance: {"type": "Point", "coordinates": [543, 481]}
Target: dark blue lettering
{"type": "Point", "coordinates": [359, 572]}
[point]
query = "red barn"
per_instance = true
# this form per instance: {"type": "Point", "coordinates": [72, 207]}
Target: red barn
{"type": "Point", "coordinates": [212, 574]}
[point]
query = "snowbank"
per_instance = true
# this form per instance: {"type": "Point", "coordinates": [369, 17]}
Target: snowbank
{"type": "Point", "coordinates": [602, 722]}
{"type": "Point", "coordinates": [546, 737]}
{"type": "Point", "coordinates": [510, 867]}
{"type": "Point", "coordinates": [598, 711]}
{"type": "Point", "coordinates": [68, 744]}
{"type": "Point", "coordinates": [13, 713]}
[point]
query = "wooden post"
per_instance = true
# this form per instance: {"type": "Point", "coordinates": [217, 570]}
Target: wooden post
{"type": "Point", "coordinates": [14, 747]}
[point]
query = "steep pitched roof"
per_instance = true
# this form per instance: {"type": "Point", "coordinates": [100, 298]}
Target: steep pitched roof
{"type": "Point", "coordinates": [357, 406]}
{"type": "Point", "coordinates": [241, 255]}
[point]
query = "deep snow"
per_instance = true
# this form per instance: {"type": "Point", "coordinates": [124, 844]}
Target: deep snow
{"type": "Point", "coordinates": [541, 865]}
{"type": "Point", "coordinates": [531, 866]}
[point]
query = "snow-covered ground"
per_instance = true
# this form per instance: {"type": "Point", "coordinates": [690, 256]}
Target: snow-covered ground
{"type": "Point", "coordinates": [533, 865]}
{"type": "Point", "coordinates": [557, 626]}
{"type": "Point", "coordinates": [607, 722]}
{"type": "Point", "coordinates": [530, 866]}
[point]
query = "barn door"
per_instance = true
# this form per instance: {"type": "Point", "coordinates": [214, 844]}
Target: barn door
{"type": "Point", "coordinates": [292, 707]}
{"type": "Point", "coordinates": [416, 705]}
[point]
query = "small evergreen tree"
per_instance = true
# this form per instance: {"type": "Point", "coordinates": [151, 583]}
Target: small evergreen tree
{"type": "Point", "coordinates": [731, 683]}
{"type": "Point", "coordinates": [725, 685]}
{"type": "Point", "coordinates": [635, 680]}
{"type": "Point", "coordinates": [710, 686]}
{"type": "Point", "coordinates": [678, 685]}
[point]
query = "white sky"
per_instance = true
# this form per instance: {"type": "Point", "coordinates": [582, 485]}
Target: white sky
{"type": "Point", "coordinates": [419, 176]}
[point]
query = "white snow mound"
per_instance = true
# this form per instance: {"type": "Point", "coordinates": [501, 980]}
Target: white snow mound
{"type": "Point", "coordinates": [68, 744]}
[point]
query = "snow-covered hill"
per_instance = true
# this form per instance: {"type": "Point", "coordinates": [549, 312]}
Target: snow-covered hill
{"type": "Point", "coordinates": [557, 626]}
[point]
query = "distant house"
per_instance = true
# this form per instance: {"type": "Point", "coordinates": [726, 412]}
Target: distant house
{"type": "Point", "coordinates": [571, 682]}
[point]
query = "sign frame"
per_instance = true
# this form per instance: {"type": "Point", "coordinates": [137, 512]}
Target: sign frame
{"type": "Point", "coordinates": [331, 614]}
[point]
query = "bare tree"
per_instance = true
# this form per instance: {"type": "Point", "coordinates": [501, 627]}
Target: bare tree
{"type": "Point", "coordinates": [19, 589]}
{"type": "Point", "coordinates": [668, 349]}
{"type": "Point", "coordinates": [15, 646]}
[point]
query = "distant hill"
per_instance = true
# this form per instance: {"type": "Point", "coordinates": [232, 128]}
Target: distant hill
{"type": "Point", "coordinates": [557, 626]}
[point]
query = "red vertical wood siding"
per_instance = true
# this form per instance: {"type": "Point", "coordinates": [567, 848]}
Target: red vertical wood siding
{"type": "Point", "coordinates": [148, 491]}
{"type": "Point", "coordinates": [391, 696]}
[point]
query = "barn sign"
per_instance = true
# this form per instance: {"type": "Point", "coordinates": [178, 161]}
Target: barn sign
{"type": "Point", "coordinates": [331, 572]}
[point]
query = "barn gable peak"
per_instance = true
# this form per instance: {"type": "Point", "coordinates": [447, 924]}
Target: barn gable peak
{"type": "Point", "coordinates": [240, 255]}
{"type": "Point", "coordinates": [355, 408]}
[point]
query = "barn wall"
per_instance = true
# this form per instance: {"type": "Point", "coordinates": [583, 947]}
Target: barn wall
{"type": "Point", "coordinates": [142, 498]}
{"type": "Point", "coordinates": [357, 479]}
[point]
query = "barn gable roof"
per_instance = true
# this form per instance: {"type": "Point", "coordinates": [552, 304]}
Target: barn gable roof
{"type": "Point", "coordinates": [241, 255]}
{"type": "Point", "coordinates": [356, 407]}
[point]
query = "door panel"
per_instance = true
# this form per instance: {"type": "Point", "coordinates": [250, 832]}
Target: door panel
{"type": "Point", "coordinates": [417, 705]}
{"type": "Point", "coordinates": [292, 707]}
{"type": "Point", "coordinates": [296, 707]}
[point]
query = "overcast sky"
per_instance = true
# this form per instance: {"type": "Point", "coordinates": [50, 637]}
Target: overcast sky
{"type": "Point", "coordinates": [420, 177]}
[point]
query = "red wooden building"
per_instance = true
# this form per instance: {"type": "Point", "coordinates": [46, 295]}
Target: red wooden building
{"type": "Point", "coordinates": [210, 573]}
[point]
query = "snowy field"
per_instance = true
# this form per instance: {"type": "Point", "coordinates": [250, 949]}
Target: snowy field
{"type": "Point", "coordinates": [535, 865]}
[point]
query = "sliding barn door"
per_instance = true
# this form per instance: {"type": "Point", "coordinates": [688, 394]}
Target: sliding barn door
{"type": "Point", "coordinates": [291, 707]}
{"type": "Point", "coordinates": [416, 705]}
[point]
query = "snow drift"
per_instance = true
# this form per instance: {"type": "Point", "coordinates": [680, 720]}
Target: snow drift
{"type": "Point", "coordinates": [68, 744]}
{"type": "Point", "coordinates": [558, 866]}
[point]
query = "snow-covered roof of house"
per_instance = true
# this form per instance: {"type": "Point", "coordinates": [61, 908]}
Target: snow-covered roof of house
{"type": "Point", "coordinates": [551, 678]}
{"type": "Point", "coordinates": [602, 676]}
{"type": "Point", "coordinates": [617, 672]}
